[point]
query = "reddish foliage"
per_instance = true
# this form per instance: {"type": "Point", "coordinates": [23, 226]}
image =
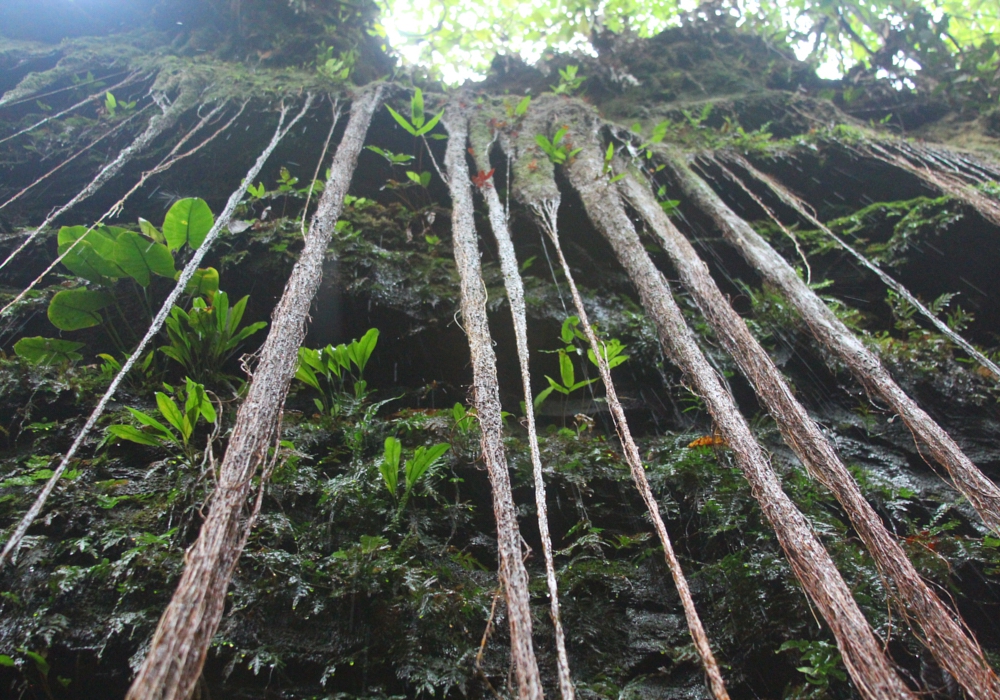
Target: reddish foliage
{"type": "Point", "coordinates": [482, 179]}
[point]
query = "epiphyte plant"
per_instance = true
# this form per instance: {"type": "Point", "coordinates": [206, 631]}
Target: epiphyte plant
{"type": "Point", "coordinates": [612, 350]}
{"type": "Point", "coordinates": [203, 339]}
{"type": "Point", "coordinates": [415, 468]}
{"type": "Point", "coordinates": [182, 421]}
{"type": "Point", "coordinates": [559, 149]}
{"type": "Point", "coordinates": [102, 256]}
{"type": "Point", "coordinates": [418, 124]}
{"type": "Point", "coordinates": [327, 370]}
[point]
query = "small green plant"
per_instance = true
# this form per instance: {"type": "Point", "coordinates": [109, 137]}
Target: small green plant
{"type": "Point", "coordinates": [333, 67]}
{"type": "Point", "coordinates": [327, 370]}
{"type": "Point", "coordinates": [821, 664]}
{"type": "Point", "coordinates": [182, 422]}
{"type": "Point", "coordinates": [569, 81]}
{"type": "Point", "coordinates": [391, 158]}
{"type": "Point", "coordinates": [516, 111]}
{"type": "Point", "coordinates": [464, 419]}
{"type": "Point", "coordinates": [112, 105]}
{"type": "Point", "coordinates": [612, 351]}
{"type": "Point", "coordinates": [420, 125]}
{"type": "Point", "coordinates": [414, 470]}
{"type": "Point", "coordinates": [609, 156]}
{"type": "Point", "coordinates": [560, 148]}
{"type": "Point", "coordinates": [203, 339]}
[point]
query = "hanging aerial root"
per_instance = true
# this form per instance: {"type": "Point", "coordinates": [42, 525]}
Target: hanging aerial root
{"type": "Point", "coordinates": [800, 207]}
{"type": "Point", "coordinates": [14, 541]}
{"type": "Point", "coordinates": [110, 132]}
{"type": "Point", "coordinates": [157, 125]}
{"type": "Point", "coordinates": [486, 397]}
{"type": "Point", "coordinates": [177, 652]}
{"type": "Point", "coordinates": [871, 671]}
{"type": "Point", "coordinates": [481, 141]}
{"type": "Point", "coordinates": [169, 160]}
{"type": "Point", "coordinates": [939, 178]}
{"type": "Point", "coordinates": [87, 100]}
{"type": "Point", "coordinates": [535, 185]}
{"type": "Point", "coordinates": [956, 651]}
{"type": "Point", "coordinates": [982, 493]}
{"type": "Point", "coordinates": [29, 89]}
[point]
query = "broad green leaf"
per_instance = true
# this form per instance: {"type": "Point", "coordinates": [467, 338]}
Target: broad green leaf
{"type": "Point", "coordinates": [429, 126]}
{"type": "Point", "coordinates": [188, 221]}
{"type": "Point", "coordinates": [401, 120]}
{"type": "Point", "coordinates": [522, 106]}
{"type": "Point", "coordinates": [361, 350]}
{"type": "Point", "coordinates": [569, 325]}
{"type": "Point", "coordinates": [47, 351]}
{"type": "Point", "coordinates": [148, 420]}
{"type": "Point", "coordinates": [423, 459]}
{"type": "Point", "coordinates": [151, 231]}
{"type": "Point", "coordinates": [73, 309]}
{"type": "Point", "coordinates": [93, 257]}
{"type": "Point", "coordinates": [133, 434]}
{"type": "Point", "coordinates": [305, 375]}
{"type": "Point", "coordinates": [389, 468]}
{"type": "Point", "coordinates": [566, 371]}
{"type": "Point", "coordinates": [544, 394]}
{"type": "Point", "coordinates": [170, 411]}
{"type": "Point", "coordinates": [141, 258]}
{"type": "Point", "coordinates": [417, 108]}
{"type": "Point", "coordinates": [203, 283]}
{"type": "Point", "coordinates": [6, 661]}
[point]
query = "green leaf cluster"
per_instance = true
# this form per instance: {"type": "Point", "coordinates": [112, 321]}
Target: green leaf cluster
{"type": "Point", "coordinates": [203, 339]}
{"type": "Point", "coordinates": [414, 470]}
{"type": "Point", "coordinates": [418, 124]}
{"type": "Point", "coordinates": [327, 370]}
{"type": "Point", "coordinates": [559, 149]}
{"type": "Point", "coordinates": [612, 351]}
{"type": "Point", "coordinates": [181, 418]}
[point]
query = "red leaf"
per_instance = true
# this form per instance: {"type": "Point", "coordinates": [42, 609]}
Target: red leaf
{"type": "Point", "coordinates": [482, 179]}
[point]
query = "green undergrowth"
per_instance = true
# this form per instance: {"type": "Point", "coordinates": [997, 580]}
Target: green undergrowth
{"type": "Point", "coordinates": [338, 593]}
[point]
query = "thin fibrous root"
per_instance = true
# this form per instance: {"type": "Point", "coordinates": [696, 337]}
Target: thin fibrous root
{"type": "Point", "coordinates": [481, 141]}
{"type": "Point", "coordinates": [955, 650]}
{"type": "Point", "coordinates": [169, 160]}
{"type": "Point", "coordinates": [110, 132]}
{"type": "Point", "coordinates": [486, 397]}
{"type": "Point", "coordinates": [14, 541]}
{"type": "Point", "coordinates": [831, 334]}
{"type": "Point", "coordinates": [786, 196]}
{"type": "Point", "coordinates": [87, 100]}
{"type": "Point", "coordinates": [862, 652]}
{"type": "Point", "coordinates": [180, 644]}
{"type": "Point", "coordinates": [157, 125]}
{"type": "Point", "coordinates": [536, 187]}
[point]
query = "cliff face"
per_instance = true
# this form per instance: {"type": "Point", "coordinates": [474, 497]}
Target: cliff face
{"type": "Point", "coordinates": [347, 588]}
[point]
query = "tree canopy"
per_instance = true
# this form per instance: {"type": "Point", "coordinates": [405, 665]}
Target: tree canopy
{"type": "Point", "coordinates": [900, 37]}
